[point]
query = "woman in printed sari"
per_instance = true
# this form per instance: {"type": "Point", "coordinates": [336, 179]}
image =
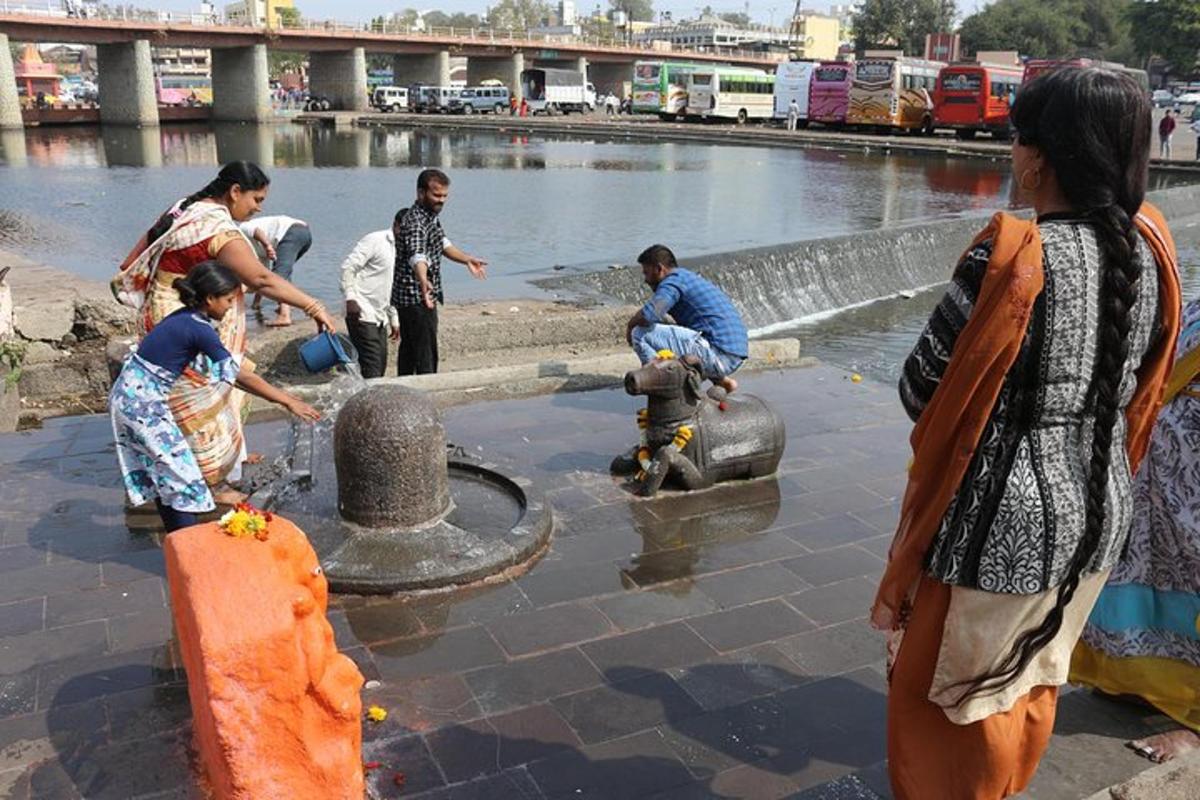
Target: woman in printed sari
{"type": "Point", "coordinates": [1143, 637]}
{"type": "Point", "coordinates": [1034, 389]}
{"type": "Point", "coordinates": [198, 228]}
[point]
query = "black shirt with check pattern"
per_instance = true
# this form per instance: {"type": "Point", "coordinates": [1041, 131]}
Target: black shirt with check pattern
{"type": "Point", "coordinates": [420, 234]}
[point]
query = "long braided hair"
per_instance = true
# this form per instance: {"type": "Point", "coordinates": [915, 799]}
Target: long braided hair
{"type": "Point", "coordinates": [1093, 127]}
{"type": "Point", "coordinates": [249, 176]}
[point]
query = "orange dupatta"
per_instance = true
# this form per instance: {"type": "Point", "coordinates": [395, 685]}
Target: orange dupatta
{"type": "Point", "coordinates": [945, 437]}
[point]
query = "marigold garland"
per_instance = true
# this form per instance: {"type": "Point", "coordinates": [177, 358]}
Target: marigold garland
{"type": "Point", "coordinates": [244, 520]}
{"type": "Point", "coordinates": [377, 713]}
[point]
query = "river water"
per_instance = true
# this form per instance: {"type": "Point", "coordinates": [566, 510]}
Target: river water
{"type": "Point", "coordinates": [78, 198]}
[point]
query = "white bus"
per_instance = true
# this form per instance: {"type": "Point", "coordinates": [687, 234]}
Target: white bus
{"type": "Point", "coordinates": [793, 79]}
{"type": "Point", "coordinates": [738, 93]}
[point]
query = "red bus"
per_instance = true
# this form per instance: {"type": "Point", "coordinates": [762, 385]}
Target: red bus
{"type": "Point", "coordinates": [975, 97]}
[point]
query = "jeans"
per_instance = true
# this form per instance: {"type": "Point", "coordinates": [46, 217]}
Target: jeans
{"type": "Point", "coordinates": [1164, 146]}
{"type": "Point", "coordinates": [418, 354]}
{"type": "Point", "coordinates": [291, 248]}
{"type": "Point", "coordinates": [681, 341]}
{"type": "Point", "coordinates": [174, 520]}
{"type": "Point", "coordinates": [371, 341]}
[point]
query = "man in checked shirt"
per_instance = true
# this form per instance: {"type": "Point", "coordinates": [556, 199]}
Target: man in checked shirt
{"type": "Point", "coordinates": [417, 285]}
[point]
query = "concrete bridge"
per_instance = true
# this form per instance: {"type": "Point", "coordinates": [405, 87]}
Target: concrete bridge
{"type": "Point", "coordinates": [337, 60]}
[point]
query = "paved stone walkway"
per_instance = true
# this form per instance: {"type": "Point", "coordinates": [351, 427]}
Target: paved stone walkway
{"type": "Point", "coordinates": [711, 645]}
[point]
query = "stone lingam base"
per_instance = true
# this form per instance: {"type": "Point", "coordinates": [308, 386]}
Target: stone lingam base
{"type": "Point", "coordinates": [388, 511]}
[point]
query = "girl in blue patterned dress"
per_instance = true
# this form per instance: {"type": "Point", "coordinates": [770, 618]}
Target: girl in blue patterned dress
{"type": "Point", "coordinates": [156, 460]}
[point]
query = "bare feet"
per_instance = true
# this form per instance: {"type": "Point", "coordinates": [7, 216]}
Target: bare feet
{"type": "Point", "coordinates": [728, 384]}
{"type": "Point", "coordinates": [229, 497]}
{"type": "Point", "coordinates": [1166, 746]}
{"type": "Point", "coordinates": [281, 321]}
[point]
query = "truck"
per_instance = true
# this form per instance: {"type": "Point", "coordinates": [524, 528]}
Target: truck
{"type": "Point", "coordinates": [554, 91]}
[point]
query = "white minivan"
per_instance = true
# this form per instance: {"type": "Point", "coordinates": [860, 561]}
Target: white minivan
{"type": "Point", "coordinates": [390, 98]}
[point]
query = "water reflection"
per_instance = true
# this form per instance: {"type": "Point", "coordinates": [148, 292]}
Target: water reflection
{"type": "Point", "coordinates": [126, 146]}
{"type": "Point", "coordinates": [12, 148]}
{"type": "Point", "coordinates": [236, 141]}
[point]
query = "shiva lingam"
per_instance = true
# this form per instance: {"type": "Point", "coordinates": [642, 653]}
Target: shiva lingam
{"type": "Point", "coordinates": [389, 510]}
{"type": "Point", "coordinates": [692, 438]}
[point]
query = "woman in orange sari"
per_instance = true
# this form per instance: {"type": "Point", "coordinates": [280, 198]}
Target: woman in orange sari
{"type": "Point", "coordinates": [1034, 388]}
{"type": "Point", "coordinates": [198, 228]}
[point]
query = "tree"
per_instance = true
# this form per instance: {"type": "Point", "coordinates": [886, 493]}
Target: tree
{"type": "Point", "coordinates": [280, 62]}
{"type": "Point", "coordinates": [635, 10]}
{"type": "Point", "coordinates": [901, 24]}
{"type": "Point", "coordinates": [518, 14]}
{"type": "Point", "coordinates": [288, 17]}
{"type": "Point", "coordinates": [440, 19]}
{"type": "Point", "coordinates": [1169, 29]}
{"type": "Point", "coordinates": [1052, 28]}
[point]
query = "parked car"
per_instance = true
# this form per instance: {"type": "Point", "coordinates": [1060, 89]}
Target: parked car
{"type": "Point", "coordinates": [431, 99]}
{"type": "Point", "coordinates": [390, 98]}
{"type": "Point", "coordinates": [1188, 99]}
{"type": "Point", "coordinates": [317, 103]}
{"type": "Point", "coordinates": [1162, 98]}
{"type": "Point", "coordinates": [481, 99]}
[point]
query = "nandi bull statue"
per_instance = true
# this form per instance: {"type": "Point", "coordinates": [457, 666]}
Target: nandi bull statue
{"type": "Point", "coordinates": [695, 438]}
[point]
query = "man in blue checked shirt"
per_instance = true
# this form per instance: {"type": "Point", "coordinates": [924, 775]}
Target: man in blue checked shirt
{"type": "Point", "coordinates": [706, 326]}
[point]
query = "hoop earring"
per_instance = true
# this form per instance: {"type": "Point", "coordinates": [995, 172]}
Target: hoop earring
{"type": "Point", "coordinates": [1037, 174]}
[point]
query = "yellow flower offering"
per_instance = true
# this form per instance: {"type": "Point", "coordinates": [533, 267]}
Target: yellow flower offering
{"type": "Point", "coordinates": [244, 520]}
{"type": "Point", "coordinates": [665, 354]}
{"type": "Point", "coordinates": [376, 714]}
{"type": "Point", "coordinates": [856, 378]}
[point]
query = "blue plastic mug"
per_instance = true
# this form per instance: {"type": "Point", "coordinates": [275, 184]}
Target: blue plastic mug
{"type": "Point", "coordinates": [326, 350]}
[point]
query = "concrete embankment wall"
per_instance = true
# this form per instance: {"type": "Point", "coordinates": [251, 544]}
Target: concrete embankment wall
{"type": "Point", "coordinates": [778, 284]}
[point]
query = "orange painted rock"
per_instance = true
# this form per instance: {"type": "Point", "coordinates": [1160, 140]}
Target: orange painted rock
{"type": "Point", "coordinates": [276, 709]}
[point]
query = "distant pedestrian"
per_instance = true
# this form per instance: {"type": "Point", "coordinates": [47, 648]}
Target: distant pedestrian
{"type": "Point", "coordinates": [1166, 130]}
{"type": "Point", "coordinates": [367, 275]}
{"type": "Point", "coordinates": [524, 107]}
{"type": "Point", "coordinates": [512, 105]}
{"type": "Point", "coordinates": [417, 285]}
{"type": "Point", "coordinates": [1195, 128]}
{"type": "Point", "coordinates": [284, 240]}
{"type": "Point", "coordinates": [793, 114]}
{"type": "Point", "coordinates": [610, 104]}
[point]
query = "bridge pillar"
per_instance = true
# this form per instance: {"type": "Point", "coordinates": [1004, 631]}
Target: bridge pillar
{"type": "Point", "coordinates": [581, 65]}
{"type": "Point", "coordinates": [341, 77]}
{"type": "Point", "coordinates": [241, 92]}
{"type": "Point", "coordinates": [126, 82]}
{"type": "Point", "coordinates": [516, 66]}
{"type": "Point", "coordinates": [480, 69]}
{"type": "Point", "coordinates": [612, 78]}
{"type": "Point", "coordinates": [10, 104]}
{"type": "Point", "coordinates": [431, 69]}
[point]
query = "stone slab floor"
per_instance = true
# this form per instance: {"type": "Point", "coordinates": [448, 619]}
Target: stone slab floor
{"type": "Point", "coordinates": [711, 645]}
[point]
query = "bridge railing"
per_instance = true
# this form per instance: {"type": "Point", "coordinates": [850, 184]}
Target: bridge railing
{"type": "Point", "coordinates": [74, 9]}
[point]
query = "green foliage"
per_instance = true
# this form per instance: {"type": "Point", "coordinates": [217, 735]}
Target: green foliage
{"type": "Point", "coordinates": [518, 14]}
{"type": "Point", "coordinates": [901, 24]}
{"type": "Point", "coordinates": [636, 10]}
{"type": "Point", "coordinates": [1051, 28]}
{"type": "Point", "coordinates": [739, 18]}
{"type": "Point", "coordinates": [281, 61]}
{"type": "Point", "coordinates": [12, 356]}
{"type": "Point", "coordinates": [288, 17]}
{"type": "Point", "coordinates": [440, 19]}
{"type": "Point", "coordinates": [1170, 29]}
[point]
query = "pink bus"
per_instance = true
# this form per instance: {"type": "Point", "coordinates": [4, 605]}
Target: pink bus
{"type": "Point", "coordinates": [829, 95]}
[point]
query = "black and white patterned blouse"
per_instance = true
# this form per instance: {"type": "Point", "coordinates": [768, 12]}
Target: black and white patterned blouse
{"type": "Point", "coordinates": [421, 238]}
{"type": "Point", "coordinates": [1019, 511]}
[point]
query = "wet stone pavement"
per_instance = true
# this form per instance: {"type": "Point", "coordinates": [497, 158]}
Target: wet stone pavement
{"type": "Point", "coordinates": [704, 646]}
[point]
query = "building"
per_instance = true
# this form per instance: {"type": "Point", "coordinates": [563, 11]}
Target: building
{"type": "Point", "coordinates": [942, 47]}
{"type": "Point", "coordinates": [711, 33]}
{"type": "Point", "coordinates": [180, 60]}
{"type": "Point", "coordinates": [815, 36]}
{"type": "Point", "coordinates": [257, 13]}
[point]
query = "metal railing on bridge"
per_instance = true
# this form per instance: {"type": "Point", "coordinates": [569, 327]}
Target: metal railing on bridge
{"type": "Point", "coordinates": [69, 9]}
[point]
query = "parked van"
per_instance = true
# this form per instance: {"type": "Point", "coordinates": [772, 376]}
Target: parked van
{"type": "Point", "coordinates": [480, 99]}
{"type": "Point", "coordinates": [390, 98]}
{"type": "Point", "coordinates": [431, 99]}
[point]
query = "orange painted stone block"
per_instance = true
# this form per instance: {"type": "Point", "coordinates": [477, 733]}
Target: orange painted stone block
{"type": "Point", "coordinates": [276, 709]}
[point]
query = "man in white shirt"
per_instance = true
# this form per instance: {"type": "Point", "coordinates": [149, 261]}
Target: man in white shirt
{"type": "Point", "coordinates": [1195, 128]}
{"type": "Point", "coordinates": [284, 240]}
{"type": "Point", "coordinates": [367, 286]}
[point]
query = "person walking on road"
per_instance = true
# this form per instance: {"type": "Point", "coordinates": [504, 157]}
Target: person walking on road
{"type": "Point", "coordinates": [366, 283]}
{"type": "Point", "coordinates": [1195, 128]}
{"type": "Point", "coordinates": [417, 285]}
{"type": "Point", "coordinates": [1166, 130]}
{"type": "Point", "coordinates": [793, 114]}
{"type": "Point", "coordinates": [284, 241]}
